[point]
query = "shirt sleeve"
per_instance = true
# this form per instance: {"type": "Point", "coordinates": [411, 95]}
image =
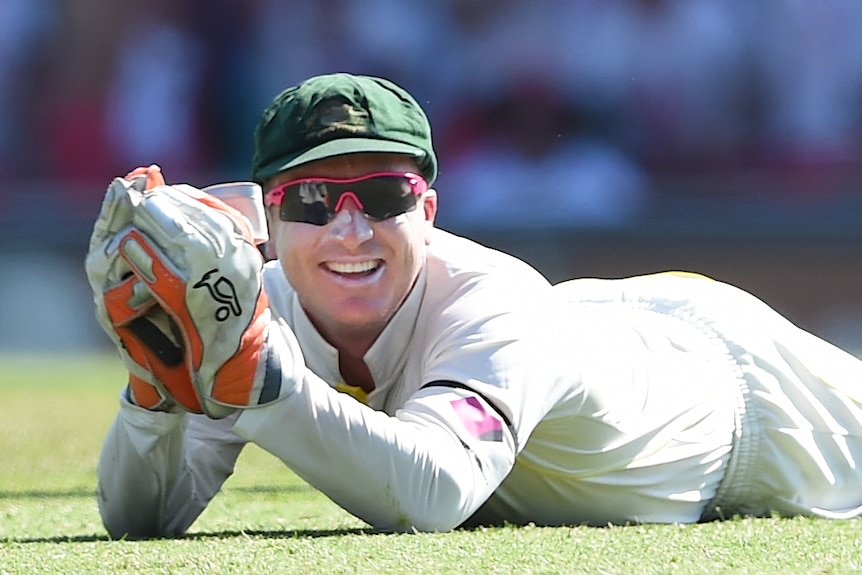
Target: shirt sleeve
{"type": "Point", "coordinates": [427, 468]}
{"type": "Point", "coordinates": [158, 471]}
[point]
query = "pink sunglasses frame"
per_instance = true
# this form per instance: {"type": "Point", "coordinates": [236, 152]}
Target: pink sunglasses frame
{"type": "Point", "coordinates": [417, 184]}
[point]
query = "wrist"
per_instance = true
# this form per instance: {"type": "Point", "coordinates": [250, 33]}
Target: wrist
{"type": "Point", "coordinates": [145, 396]}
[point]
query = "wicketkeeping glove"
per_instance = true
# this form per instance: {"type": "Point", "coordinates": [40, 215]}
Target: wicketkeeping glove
{"type": "Point", "coordinates": [177, 283]}
{"type": "Point", "coordinates": [106, 270]}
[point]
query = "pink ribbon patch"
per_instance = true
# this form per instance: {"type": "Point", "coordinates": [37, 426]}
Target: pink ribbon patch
{"type": "Point", "coordinates": [481, 424]}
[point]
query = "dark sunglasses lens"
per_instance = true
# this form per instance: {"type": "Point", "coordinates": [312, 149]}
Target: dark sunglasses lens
{"type": "Point", "coordinates": [307, 203]}
{"type": "Point", "coordinates": [386, 197]}
{"type": "Point", "coordinates": [382, 197]}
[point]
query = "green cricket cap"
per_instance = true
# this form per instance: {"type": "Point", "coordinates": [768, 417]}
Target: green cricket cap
{"type": "Point", "coordinates": [337, 114]}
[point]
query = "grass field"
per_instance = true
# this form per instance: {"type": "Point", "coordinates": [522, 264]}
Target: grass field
{"type": "Point", "coordinates": [55, 413]}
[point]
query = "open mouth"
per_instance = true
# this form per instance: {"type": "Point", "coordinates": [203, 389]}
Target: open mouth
{"type": "Point", "coordinates": [354, 269]}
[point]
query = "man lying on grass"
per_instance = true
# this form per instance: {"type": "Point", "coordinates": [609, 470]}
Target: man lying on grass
{"type": "Point", "coordinates": [422, 381]}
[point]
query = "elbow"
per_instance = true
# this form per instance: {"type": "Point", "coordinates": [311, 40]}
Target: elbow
{"type": "Point", "coordinates": [417, 523]}
{"type": "Point", "coordinates": [120, 531]}
{"type": "Point", "coordinates": [130, 529]}
{"type": "Point", "coordinates": [131, 524]}
{"type": "Point", "coordinates": [436, 510]}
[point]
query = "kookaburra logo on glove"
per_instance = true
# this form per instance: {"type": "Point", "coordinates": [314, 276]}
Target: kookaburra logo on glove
{"type": "Point", "coordinates": [222, 290]}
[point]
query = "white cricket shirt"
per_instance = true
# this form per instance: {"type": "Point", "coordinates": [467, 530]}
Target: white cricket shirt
{"type": "Point", "coordinates": [491, 385]}
{"type": "Point", "coordinates": [497, 397]}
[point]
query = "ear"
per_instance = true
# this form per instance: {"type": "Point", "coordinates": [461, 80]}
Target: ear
{"type": "Point", "coordinates": [429, 207]}
{"type": "Point", "coordinates": [429, 204]}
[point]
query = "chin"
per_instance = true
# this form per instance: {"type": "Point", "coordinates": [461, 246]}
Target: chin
{"type": "Point", "coordinates": [360, 316]}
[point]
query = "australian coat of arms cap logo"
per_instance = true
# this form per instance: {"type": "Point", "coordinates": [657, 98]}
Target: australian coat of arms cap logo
{"type": "Point", "coordinates": [336, 115]}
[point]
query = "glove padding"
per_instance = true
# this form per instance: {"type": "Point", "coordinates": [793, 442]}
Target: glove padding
{"type": "Point", "coordinates": [178, 285]}
{"type": "Point", "coordinates": [106, 270]}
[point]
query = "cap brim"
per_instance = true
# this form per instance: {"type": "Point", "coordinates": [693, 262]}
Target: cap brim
{"type": "Point", "coordinates": [341, 147]}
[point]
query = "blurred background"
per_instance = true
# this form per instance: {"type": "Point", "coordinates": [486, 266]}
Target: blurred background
{"type": "Point", "coordinates": [589, 137]}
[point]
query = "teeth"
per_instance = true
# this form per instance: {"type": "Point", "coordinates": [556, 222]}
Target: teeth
{"type": "Point", "coordinates": [352, 267]}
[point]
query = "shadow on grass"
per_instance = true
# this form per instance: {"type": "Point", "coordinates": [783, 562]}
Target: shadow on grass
{"type": "Point", "coordinates": [286, 534]}
{"type": "Point", "coordinates": [272, 534]}
{"type": "Point", "coordinates": [82, 492]}
{"type": "Point", "coordinates": [232, 534]}
{"type": "Point", "coordinates": [48, 494]}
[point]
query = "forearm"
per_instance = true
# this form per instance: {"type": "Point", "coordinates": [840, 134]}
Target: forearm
{"type": "Point", "coordinates": [399, 473]}
{"type": "Point", "coordinates": [158, 471]}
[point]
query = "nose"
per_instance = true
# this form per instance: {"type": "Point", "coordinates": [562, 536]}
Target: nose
{"type": "Point", "coordinates": [350, 224]}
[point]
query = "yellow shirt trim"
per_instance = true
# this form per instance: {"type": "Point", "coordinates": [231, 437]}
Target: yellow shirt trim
{"type": "Point", "coordinates": [354, 391]}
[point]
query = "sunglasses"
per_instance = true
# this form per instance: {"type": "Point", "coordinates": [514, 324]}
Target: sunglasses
{"type": "Point", "coordinates": [380, 195]}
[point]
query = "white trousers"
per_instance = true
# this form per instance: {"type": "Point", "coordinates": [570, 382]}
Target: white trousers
{"type": "Point", "coordinates": [798, 443]}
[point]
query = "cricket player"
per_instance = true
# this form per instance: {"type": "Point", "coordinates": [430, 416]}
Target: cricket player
{"type": "Point", "coordinates": [424, 382]}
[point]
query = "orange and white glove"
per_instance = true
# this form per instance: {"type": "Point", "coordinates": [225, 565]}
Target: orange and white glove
{"type": "Point", "coordinates": [106, 270]}
{"type": "Point", "coordinates": [177, 283]}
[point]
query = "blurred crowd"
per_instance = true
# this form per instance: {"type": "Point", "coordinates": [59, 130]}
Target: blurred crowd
{"type": "Point", "coordinates": [596, 103]}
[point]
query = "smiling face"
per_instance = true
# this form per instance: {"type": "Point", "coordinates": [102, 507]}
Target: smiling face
{"type": "Point", "coordinates": [352, 274]}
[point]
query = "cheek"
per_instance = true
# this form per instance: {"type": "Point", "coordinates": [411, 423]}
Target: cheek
{"type": "Point", "coordinates": [278, 238]}
{"type": "Point", "coordinates": [288, 241]}
{"type": "Point", "coordinates": [412, 235]}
